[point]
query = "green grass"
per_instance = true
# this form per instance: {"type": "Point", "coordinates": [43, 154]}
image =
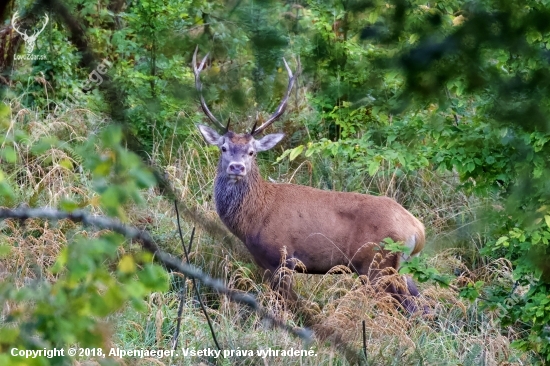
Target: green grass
{"type": "Point", "coordinates": [333, 305]}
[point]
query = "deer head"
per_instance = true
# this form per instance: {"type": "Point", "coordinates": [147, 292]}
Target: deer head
{"type": "Point", "coordinates": [238, 151]}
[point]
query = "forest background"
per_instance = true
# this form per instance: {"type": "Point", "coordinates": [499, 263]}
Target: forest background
{"type": "Point", "coordinates": [442, 105]}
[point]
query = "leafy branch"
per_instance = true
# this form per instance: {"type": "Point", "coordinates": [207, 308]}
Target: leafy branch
{"type": "Point", "coordinates": [167, 260]}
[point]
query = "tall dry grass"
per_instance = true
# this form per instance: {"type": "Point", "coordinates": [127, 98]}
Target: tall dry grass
{"type": "Point", "coordinates": [333, 305]}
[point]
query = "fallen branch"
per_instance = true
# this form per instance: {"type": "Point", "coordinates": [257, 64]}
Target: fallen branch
{"type": "Point", "coordinates": [167, 260]}
{"type": "Point", "coordinates": [197, 292]}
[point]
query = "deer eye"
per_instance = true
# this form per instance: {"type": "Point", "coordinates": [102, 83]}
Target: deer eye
{"type": "Point", "coordinates": [251, 153]}
{"type": "Point", "coordinates": [224, 149]}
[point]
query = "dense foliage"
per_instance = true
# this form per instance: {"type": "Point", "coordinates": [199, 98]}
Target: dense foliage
{"type": "Point", "coordinates": [395, 89]}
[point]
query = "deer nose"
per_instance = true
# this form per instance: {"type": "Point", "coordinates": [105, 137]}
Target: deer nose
{"type": "Point", "coordinates": [236, 168]}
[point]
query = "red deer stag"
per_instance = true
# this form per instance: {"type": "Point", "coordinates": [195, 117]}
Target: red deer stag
{"type": "Point", "coordinates": [321, 229]}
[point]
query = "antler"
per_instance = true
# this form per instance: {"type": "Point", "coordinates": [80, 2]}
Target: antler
{"type": "Point", "coordinates": [281, 108]}
{"type": "Point", "coordinates": [198, 85]}
{"type": "Point", "coordinates": [13, 19]}
{"type": "Point", "coordinates": [44, 26]}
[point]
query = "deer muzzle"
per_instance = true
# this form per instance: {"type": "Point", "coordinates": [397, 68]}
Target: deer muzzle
{"type": "Point", "coordinates": [236, 171]}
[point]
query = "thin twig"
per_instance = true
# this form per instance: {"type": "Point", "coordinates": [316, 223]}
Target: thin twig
{"type": "Point", "coordinates": [184, 286]}
{"type": "Point", "coordinates": [365, 339]}
{"type": "Point", "coordinates": [167, 260]}
{"type": "Point", "coordinates": [180, 312]}
{"type": "Point", "coordinates": [197, 292]}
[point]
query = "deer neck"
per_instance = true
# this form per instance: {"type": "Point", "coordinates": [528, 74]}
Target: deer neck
{"type": "Point", "coordinates": [241, 203]}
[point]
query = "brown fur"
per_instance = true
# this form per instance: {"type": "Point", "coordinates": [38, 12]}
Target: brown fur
{"type": "Point", "coordinates": [321, 229]}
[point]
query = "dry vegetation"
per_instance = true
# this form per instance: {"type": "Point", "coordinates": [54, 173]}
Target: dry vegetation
{"type": "Point", "coordinates": [333, 305]}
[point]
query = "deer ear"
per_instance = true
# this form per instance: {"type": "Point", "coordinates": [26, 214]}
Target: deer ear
{"type": "Point", "coordinates": [267, 142]}
{"type": "Point", "coordinates": [210, 136]}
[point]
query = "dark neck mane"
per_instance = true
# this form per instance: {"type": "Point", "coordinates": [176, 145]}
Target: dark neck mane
{"type": "Point", "coordinates": [239, 203]}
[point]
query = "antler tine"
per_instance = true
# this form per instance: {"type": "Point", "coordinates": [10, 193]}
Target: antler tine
{"type": "Point", "coordinates": [252, 132]}
{"type": "Point", "coordinates": [45, 24]}
{"type": "Point", "coordinates": [198, 85]}
{"type": "Point", "coordinates": [13, 19]}
{"type": "Point", "coordinates": [281, 108]}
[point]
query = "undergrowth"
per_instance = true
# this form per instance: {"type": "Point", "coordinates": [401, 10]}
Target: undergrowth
{"type": "Point", "coordinates": [334, 305]}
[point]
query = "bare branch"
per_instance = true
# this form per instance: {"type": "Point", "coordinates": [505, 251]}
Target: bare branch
{"type": "Point", "coordinates": [197, 292]}
{"type": "Point", "coordinates": [167, 260]}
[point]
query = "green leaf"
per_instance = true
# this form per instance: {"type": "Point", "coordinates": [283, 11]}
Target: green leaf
{"type": "Point", "coordinates": [373, 167]}
{"type": "Point", "coordinates": [61, 261]}
{"type": "Point", "coordinates": [9, 334]}
{"type": "Point", "coordinates": [111, 136]}
{"type": "Point", "coordinates": [44, 144]}
{"type": "Point", "coordinates": [127, 264]}
{"type": "Point", "coordinates": [68, 205]}
{"type": "Point", "coordinates": [66, 163]}
{"type": "Point", "coordinates": [501, 240]}
{"type": "Point", "coordinates": [5, 250]}
{"type": "Point", "coordinates": [8, 153]}
{"type": "Point", "coordinates": [144, 178]}
{"type": "Point", "coordinates": [295, 152]}
{"type": "Point", "coordinates": [7, 194]}
{"type": "Point", "coordinates": [154, 277]}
